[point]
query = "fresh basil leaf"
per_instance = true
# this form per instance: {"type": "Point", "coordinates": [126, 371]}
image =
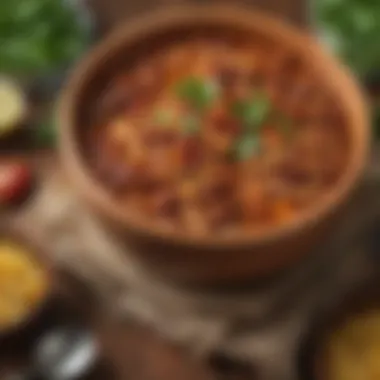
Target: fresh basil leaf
{"type": "Point", "coordinates": [199, 93]}
{"type": "Point", "coordinates": [253, 112]}
{"type": "Point", "coordinates": [246, 146]}
{"type": "Point", "coordinates": [191, 125]}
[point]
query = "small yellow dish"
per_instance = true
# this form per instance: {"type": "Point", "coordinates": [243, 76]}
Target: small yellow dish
{"type": "Point", "coordinates": [353, 350]}
{"type": "Point", "coordinates": [23, 284]}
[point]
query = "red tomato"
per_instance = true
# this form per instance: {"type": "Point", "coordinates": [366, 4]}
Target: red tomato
{"type": "Point", "coordinates": [15, 182]}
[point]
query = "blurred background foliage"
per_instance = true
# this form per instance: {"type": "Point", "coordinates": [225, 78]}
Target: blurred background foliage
{"type": "Point", "coordinates": [38, 35]}
{"type": "Point", "coordinates": [352, 28]}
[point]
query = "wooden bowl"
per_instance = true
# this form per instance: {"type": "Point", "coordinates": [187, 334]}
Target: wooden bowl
{"type": "Point", "coordinates": [211, 260]}
{"type": "Point", "coordinates": [37, 315]}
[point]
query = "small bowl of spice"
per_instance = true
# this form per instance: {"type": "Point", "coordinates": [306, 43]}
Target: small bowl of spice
{"type": "Point", "coordinates": [345, 344]}
{"type": "Point", "coordinates": [25, 283]}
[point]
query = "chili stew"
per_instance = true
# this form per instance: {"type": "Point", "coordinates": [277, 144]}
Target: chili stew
{"type": "Point", "coordinates": [210, 136]}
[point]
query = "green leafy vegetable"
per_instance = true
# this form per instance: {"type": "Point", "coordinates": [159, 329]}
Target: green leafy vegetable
{"type": "Point", "coordinates": [191, 125]}
{"type": "Point", "coordinates": [246, 146]}
{"type": "Point", "coordinates": [37, 35]}
{"type": "Point", "coordinates": [254, 111]}
{"type": "Point", "coordinates": [352, 29]}
{"type": "Point", "coordinates": [199, 93]}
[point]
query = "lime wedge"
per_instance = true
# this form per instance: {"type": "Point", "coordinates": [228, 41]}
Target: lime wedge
{"type": "Point", "coordinates": [12, 105]}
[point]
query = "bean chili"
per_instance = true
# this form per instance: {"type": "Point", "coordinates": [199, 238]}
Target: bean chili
{"type": "Point", "coordinates": [221, 143]}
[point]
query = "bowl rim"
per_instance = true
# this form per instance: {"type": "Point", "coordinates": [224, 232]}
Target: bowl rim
{"type": "Point", "coordinates": [229, 16]}
{"type": "Point", "coordinates": [16, 236]}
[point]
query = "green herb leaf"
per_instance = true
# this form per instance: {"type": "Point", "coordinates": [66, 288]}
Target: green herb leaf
{"type": "Point", "coordinates": [199, 93]}
{"type": "Point", "coordinates": [191, 125]}
{"type": "Point", "coordinates": [254, 111]}
{"type": "Point", "coordinates": [246, 146]}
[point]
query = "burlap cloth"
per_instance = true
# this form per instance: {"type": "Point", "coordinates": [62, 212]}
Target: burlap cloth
{"type": "Point", "coordinates": [261, 325]}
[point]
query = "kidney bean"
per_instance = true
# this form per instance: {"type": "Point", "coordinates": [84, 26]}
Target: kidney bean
{"type": "Point", "coordinates": [227, 125]}
{"type": "Point", "coordinates": [167, 203]}
{"type": "Point", "coordinates": [192, 153]}
{"type": "Point", "coordinates": [160, 137]}
{"type": "Point", "coordinates": [256, 79]}
{"type": "Point", "coordinates": [295, 173]}
{"type": "Point", "coordinates": [222, 214]}
{"type": "Point", "coordinates": [228, 76]}
{"type": "Point", "coordinates": [219, 190]}
{"type": "Point", "coordinates": [218, 186]}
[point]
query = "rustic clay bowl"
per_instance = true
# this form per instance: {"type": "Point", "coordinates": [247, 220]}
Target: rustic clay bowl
{"type": "Point", "coordinates": [37, 315]}
{"type": "Point", "coordinates": [211, 260]}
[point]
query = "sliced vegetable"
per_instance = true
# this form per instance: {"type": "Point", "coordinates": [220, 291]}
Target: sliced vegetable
{"type": "Point", "coordinates": [254, 111]}
{"type": "Point", "coordinates": [12, 105]}
{"type": "Point", "coordinates": [198, 92]}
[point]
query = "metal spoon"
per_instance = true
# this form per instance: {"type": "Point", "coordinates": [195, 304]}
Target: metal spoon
{"type": "Point", "coordinates": [65, 353]}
